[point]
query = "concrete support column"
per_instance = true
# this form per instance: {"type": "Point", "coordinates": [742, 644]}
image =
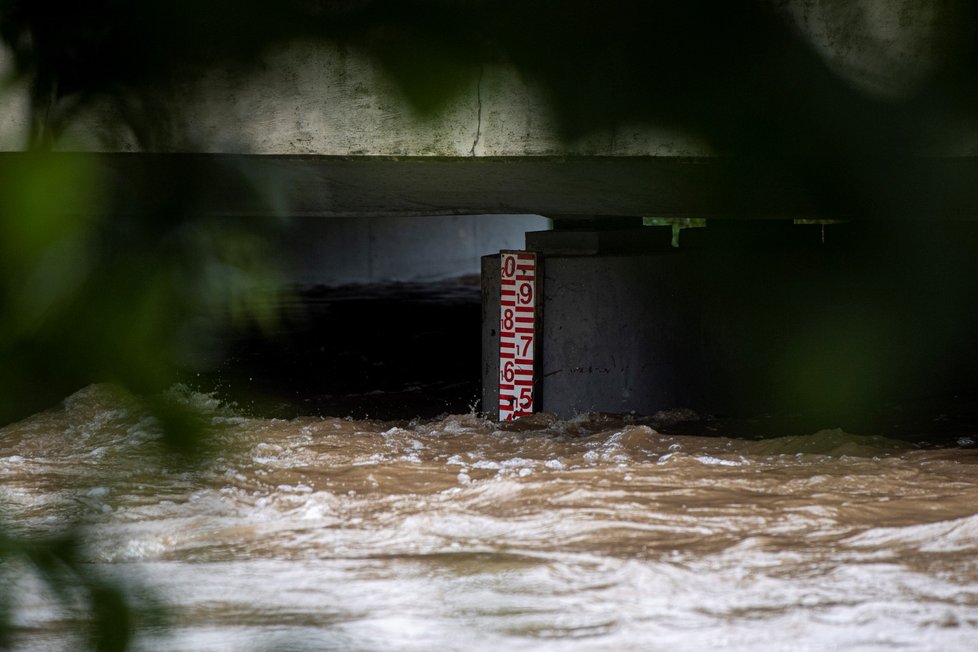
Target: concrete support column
{"type": "Point", "coordinates": [745, 318]}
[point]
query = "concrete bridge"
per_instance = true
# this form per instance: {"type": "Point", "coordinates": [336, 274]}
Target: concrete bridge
{"type": "Point", "coordinates": [762, 314]}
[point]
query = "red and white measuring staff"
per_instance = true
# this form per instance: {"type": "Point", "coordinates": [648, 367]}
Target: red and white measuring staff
{"type": "Point", "coordinates": [517, 333]}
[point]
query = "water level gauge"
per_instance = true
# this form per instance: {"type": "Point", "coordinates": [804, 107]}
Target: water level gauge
{"type": "Point", "coordinates": [517, 334]}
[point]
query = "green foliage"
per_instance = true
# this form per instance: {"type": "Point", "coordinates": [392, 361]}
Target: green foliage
{"type": "Point", "coordinates": [677, 224]}
{"type": "Point", "coordinates": [110, 611]}
{"type": "Point", "coordinates": [92, 294]}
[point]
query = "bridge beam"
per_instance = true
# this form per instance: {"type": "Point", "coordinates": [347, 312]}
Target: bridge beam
{"type": "Point", "coordinates": [919, 189]}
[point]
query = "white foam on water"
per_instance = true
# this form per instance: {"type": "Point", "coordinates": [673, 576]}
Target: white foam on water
{"type": "Point", "coordinates": [458, 534]}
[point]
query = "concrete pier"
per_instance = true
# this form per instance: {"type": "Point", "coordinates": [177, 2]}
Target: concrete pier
{"type": "Point", "coordinates": [745, 318]}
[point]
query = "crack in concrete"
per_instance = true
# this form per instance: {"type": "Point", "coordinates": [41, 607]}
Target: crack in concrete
{"type": "Point", "coordinates": [478, 97]}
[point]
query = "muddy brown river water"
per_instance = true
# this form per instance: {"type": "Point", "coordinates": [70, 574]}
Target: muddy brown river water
{"type": "Point", "coordinates": [455, 533]}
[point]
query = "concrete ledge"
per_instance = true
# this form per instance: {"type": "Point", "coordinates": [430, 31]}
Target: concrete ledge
{"type": "Point", "coordinates": [713, 188]}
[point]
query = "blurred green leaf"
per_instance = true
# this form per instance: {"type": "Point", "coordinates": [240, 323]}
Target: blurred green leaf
{"type": "Point", "coordinates": [112, 619]}
{"type": "Point", "coordinates": [112, 612]}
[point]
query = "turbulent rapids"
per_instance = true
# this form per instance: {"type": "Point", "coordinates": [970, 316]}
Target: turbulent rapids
{"type": "Point", "coordinates": [460, 533]}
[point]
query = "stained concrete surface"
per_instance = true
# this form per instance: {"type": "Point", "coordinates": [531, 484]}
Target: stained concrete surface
{"type": "Point", "coordinates": [328, 98]}
{"type": "Point", "coordinates": [744, 320]}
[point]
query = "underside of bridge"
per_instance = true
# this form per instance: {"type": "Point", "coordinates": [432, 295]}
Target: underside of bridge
{"type": "Point", "coordinates": [733, 287]}
{"type": "Point", "coordinates": [755, 206]}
